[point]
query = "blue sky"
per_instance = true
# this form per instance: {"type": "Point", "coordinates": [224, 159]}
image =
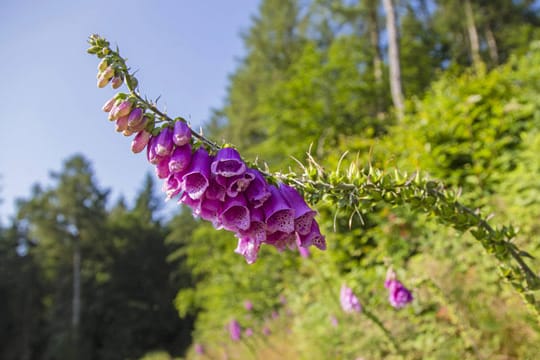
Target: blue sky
{"type": "Point", "coordinates": [51, 107]}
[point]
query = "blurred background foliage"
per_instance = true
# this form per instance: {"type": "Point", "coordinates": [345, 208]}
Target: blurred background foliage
{"type": "Point", "coordinates": [315, 76]}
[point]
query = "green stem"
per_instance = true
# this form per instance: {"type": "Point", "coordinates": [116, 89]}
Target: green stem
{"type": "Point", "coordinates": [366, 188]}
{"type": "Point", "coordinates": [383, 328]}
{"type": "Point", "coordinates": [457, 319]}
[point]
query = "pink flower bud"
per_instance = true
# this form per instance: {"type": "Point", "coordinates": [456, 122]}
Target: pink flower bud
{"type": "Point", "coordinates": [135, 117]}
{"type": "Point", "coordinates": [122, 124]}
{"type": "Point", "coordinates": [109, 104]}
{"type": "Point", "coordinates": [113, 113]}
{"type": "Point", "coordinates": [128, 132]}
{"type": "Point", "coordinates": [164, 142]}
{"type": "Point", "coordinates": [151, 154]}
{"type": "Point", "coordinates": [120, 110]}
{"type": "Point", "coordinates": [116, 82]}
{"type": "Point", "coordinates": [108, 73]}
{"type": "Point", "coordinates": [181, 133]}
{"type": "Point", "coordinates": [102, 65]}
{"type": "Point", "coordinates": [140, 126]}
{"type": "Point", "coordinates": [140, 141]}
{"type": "Point", "coordinates": [102, 81]}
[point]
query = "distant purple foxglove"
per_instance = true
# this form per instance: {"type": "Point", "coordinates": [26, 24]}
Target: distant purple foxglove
{"type": "Point", "coordinates": [349, 301]}
{"type": "Point", "coordinates": [398, 294]}
{"type": "Point", "coordinates": [303, 214]}
{"type": "Point", "coordinates": [279, 214]}
{"type": "Point", "coordinates": [228, 163]}
{"type": "Point", "coordinates": [248, 305]}
{"type": "Point", "coordinates": [197, 177]}
{"type": "Point", "coordinates": [234, 330]}
{"type": "Point", "coordinates": [199, 349]}
{"type": "Point", "coordinates": [181, 133]}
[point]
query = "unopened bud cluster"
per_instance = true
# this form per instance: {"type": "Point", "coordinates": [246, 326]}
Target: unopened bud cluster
{"type": "Point", "coordinates": [130, 118]}
{"type": "Point", "coordinates": [218, 185]}
{"type": "Point", "coordinates": [107, 73]}
{"type": "Point", "coordinates": [109, 70]}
